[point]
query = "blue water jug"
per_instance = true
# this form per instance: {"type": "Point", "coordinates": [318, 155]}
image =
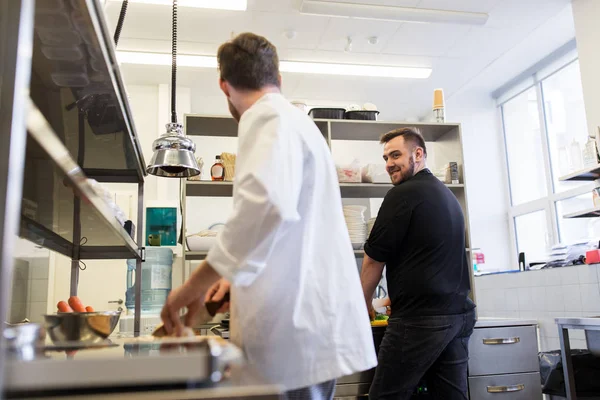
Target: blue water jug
{"type": "Point", "coordinates": [156, 280]}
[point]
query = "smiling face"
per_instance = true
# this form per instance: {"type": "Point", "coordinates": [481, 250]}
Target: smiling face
{"type": "Point", "coordinates": [400, 157]}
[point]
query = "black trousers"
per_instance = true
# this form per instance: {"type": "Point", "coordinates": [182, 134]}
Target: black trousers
{"type": "Point", "coordinates": [435, 348]}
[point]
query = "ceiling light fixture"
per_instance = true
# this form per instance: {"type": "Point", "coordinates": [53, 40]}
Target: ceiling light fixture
{"type": "Point", "coordinates": [129, 57]}
{"type": "Point", "coordinates": [391, 13]}
{"type": "Point", "coordinates": [235, 5]}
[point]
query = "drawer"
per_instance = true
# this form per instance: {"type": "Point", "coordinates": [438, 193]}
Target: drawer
{"type": "Point", "coordinates": [352, 390]}
{"type": "Point", "coordinates": [506, 387]}
{"type": "Point", "coordinates": [503, 350]}
{"type": "Point", "coordinates": [358, 377]}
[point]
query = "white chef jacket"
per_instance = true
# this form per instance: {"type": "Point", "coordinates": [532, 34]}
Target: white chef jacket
{"type": "Point", "coordinates": [298, 309]}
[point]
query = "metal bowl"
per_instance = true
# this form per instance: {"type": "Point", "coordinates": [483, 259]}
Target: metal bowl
{"type": "Point", "coordinates": [84, 328]}
{"type": "Point", "coordinates": [24, 341]}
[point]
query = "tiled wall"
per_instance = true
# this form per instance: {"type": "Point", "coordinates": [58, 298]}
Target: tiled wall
{"type": "Point", "coordinates": [542, 295]}
{"type": "Point", "coordinates": [29, 290]}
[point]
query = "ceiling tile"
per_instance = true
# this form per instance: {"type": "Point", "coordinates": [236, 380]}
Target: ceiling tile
{"type": "Point", "coordinates": [309, 29]}
{"type": "Point", "coordinates": [425, 39]}
{"type": "Point", "coordinates": [483, 6]}
{"type": "Point", "coordinates": [486, 43]}
{"type": "Point", "coordinates": [511, 13]}
{"type": "Point", "coordinates": [360, 30]}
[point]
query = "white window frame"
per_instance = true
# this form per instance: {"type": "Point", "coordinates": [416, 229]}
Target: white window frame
{"type": "Point", "coordinates": [546, 69]}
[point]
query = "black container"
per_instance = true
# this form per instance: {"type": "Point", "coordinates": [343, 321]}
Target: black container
{"type": "Point", "coordinates": [362, 115]}
{"type": "Point", "coordinates": [327, 113]}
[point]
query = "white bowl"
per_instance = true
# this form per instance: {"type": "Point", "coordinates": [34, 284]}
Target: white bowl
{"type": "Point", "coordinates": [200, 243]}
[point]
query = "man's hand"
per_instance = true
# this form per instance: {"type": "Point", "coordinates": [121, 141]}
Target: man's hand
{"type": "Point", "coordinates": [190, 295]}
{"type": "Point", "coordinates": [217, 292]}
{"type": "Point", "coordinates": [184, 296]}
{"type": "Point", "coordinates": [371, 312]}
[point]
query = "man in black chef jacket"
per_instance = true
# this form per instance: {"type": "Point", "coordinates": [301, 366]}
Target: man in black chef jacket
{"type": "Point", "coordinates": [419, 235]}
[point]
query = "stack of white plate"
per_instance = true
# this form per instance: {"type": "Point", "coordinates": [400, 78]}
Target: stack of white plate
{"type": "Point", "coordinates": [370, 225]}
{"type": "Point", "coordinates": [357, 227]}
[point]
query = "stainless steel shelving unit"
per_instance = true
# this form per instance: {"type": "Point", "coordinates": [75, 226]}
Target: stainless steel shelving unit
{"type": "Point", "coordinates": [444, 138]}
{"type": "Point", "coordinates": [63, 121]}
{"type": "Point", "coordinates": [589, 174]}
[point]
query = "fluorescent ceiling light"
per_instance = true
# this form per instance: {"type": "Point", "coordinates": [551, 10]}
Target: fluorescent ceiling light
{"type": "Point", "coordinates": [354, 70]}
{"type": "Point", "coordinates": [132, 57]}
{"type": "Point", "coordinates": [236, 5]}
{"type": "Point", "coordinates": [390, 13]}
{"type": "Point", "coordinates": [129, 57]}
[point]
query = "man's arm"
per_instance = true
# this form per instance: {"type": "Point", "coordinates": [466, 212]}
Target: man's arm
{"type": "Point", "coordinates": [386, 236]}
{"type": "Point", "coordinates": [370, 275]}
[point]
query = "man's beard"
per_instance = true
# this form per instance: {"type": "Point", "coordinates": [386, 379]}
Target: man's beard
{"type": "Point", "coordinates": [234, 112]}
{"type": "Point", "coordinates": [408, 173]}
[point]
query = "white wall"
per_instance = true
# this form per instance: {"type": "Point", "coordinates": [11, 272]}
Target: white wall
{"type": "Point", "coordinates": [542, 295]}
{"type": "Point", "coordinates": [485, 165]}
{"type": "Point", "coordinates": [586, 14]}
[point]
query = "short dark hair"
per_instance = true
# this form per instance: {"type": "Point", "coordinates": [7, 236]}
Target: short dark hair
{"type": "Point", "coordinates": [410, 134]}
{"type": "Point", "coordinates": [249, 62]}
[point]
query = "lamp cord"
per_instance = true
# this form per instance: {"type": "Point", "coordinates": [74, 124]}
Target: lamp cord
{"type": "Point", "coordinates": [174, 64]}
{"type": "Point", "coordinates": [120, 21]}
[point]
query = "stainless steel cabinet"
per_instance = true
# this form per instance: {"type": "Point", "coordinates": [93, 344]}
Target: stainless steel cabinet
{"type": "Point", "coordinates": [506, 387]}
{"type": "Point", "coordinates": [503, 350]}
{"type": "Point", "coordinates": [503, 362]}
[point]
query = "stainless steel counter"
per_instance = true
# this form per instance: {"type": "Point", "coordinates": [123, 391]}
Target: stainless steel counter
{"type": "Point", "coordinates": [500, 322]}
{"type": "Point", "coordinates": [564, 324]}
{"type": "Point", "coordinates": [140, 368]}
{"type": "Point", "coordinates": [243, 383]}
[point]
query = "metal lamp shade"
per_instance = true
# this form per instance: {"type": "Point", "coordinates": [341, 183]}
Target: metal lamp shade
{"type": "Point", "coordinates": [173, 155]}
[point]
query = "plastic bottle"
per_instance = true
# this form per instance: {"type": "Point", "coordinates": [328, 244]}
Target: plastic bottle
{"type": "Point", "coordinates": [156, 280]}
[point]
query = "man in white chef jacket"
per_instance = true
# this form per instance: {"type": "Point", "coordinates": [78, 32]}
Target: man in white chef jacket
{"type": "Point", "coordinates": [297, 307]}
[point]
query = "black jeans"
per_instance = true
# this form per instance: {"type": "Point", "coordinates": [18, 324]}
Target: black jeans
{"type": "Point", "coordinates": [434, 348]}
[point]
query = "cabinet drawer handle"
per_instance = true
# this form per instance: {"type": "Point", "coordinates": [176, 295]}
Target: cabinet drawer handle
{"type": "Point", "coordinates": [510, 340]}
{"type": "Point", "coordinates": [506, 389]}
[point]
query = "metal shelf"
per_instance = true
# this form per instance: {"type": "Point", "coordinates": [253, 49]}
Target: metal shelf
{"type": "Point", "coordinates": [375, 190]}
{"type": "Point", "coordinates": [106, 145]}
{"type": "Point", "coordinates": [589, 213]}
{"type": "Point", "coordinates": [222, 126]}
{"type": "Point", "coordinates": [195, 255]}
{"type": "Point", "coordinates": [587, 174]}
{"type": "Point", "coordinates": [348, 190]}
{"type": "Point", "coordinates": [201, 255]}
{"type": "Point", "coordinates": [208, 188]}
{"type": "Point", "coordinates": [59, 203]}
{"type": "Point", "coordinates": [342, 129]}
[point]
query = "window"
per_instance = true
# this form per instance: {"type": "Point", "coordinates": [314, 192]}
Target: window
{"type": "Point", "coordinates": [532, 236]}
{"type": "Point", "coordinates": [523, 144]}
{"type": "Point", "coordinates": [572, 230]}
{"type": "Point", "coordinates": [565, 123]}
{"type": "Point", "coordinates": [545, 132]}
